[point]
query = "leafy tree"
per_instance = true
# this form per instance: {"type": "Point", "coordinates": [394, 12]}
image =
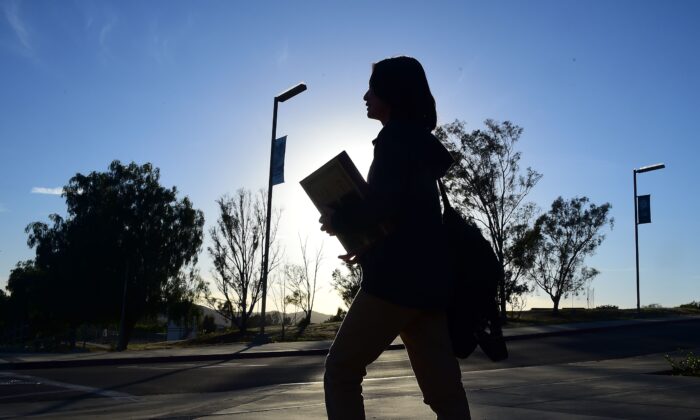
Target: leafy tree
{"type": "Point", "coordinates": [567, 233]}
{"type": "Point", "coordinates": [339, 316]}
{"type": "Point", "coordinates": [4, 310]}
{"type": "Point", "coordinates": [183, 291]}
{"type": "Point", "coordinates": [47, 290]}
{"type": "Point", "coordinates": [347, 285]}
{"type": "Point", "coordinates": [486, 183]}
{"type": "Point", "coordinates": [237, 253]}
{"type": "Point", "coordinates": [30, 306]}
{"type": "Point", "coordinates": [125, 239]}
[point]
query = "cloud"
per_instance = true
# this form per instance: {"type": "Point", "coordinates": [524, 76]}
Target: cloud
{"type": "Point", "coordinates": [3, 209]}
{"type": "Point", "coordinates": [104, 32]}
{"type": "Point", "coordinates": [105, 53]}
{"type": "Point", "coordinates": [49, 191]}
{"type": "Point", "coordinates": [158, 43]}
{"type": "Point", "coordinates": [11, 12]}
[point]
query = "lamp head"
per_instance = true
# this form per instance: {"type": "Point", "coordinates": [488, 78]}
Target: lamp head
{"type": "Point", "coordinates": [291, 92]}
{"type": "Point", "coordinates": [650, 168]}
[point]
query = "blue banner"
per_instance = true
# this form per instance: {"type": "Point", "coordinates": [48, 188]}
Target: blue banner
{"type": "Point", "coordinates": [643, 209]}
{"type": "Point", "coordinates": [278, 160]}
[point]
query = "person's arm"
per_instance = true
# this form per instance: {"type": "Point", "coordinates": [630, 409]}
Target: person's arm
{"type": "Point", "coordinates": [391, 187]}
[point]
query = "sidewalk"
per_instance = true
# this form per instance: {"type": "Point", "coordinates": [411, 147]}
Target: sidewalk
{"type": "Point", "coordinates": [243, 351]}
{"type": "Point", "coordinates": [610, 389]}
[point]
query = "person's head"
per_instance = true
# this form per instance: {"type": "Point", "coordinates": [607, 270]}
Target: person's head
{"type": "Point", "coordinates": [398, 90]}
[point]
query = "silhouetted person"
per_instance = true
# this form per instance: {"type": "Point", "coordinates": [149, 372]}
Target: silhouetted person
{"type": "Point", "coordinates": [405, 284]}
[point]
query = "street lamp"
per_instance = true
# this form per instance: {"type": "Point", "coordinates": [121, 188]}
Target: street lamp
{"type": "Point", "coordinates": [282, 97]}
{"type": "Point", "coordinates": [636, 217]}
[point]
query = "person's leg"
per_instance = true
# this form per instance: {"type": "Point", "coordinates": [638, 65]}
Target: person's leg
{"type": "Point", "coordinates": [370, 325]}
{"type": "Point", "coordinates": [437, 371]}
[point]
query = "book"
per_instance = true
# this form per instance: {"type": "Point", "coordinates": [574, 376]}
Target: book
{"type": "Point", "coordinates": [338, 184]}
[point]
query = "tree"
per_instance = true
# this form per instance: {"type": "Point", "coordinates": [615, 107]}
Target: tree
{"type": "Point", "coordinates": [303, 281]}
{"type": "Point", "coordinates": [183, 291]}
{"type": "Point", "coordinates": [347, 285]}
{"type": "Point", "coordinates": [487, 185]}
{"type": "Point", "coordinates": [4, 310]}
{"type": "Point", "coordinates": [124, 239]}
{"type": "Point", "coordinates": [278, 292]}
{"type": "Point", "coordinates": [34, 300]}
{"type": "Point", "coordinates": [567, 234]}
{"type": "Point", "coordinates": [338, 317]}
{"type": "Point", "coordinates": [237, 253]}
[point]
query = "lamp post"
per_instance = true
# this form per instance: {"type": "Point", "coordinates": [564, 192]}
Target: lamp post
{"type": "Point", "coordinates": [288, 94]}
{"type": "Point", "coordinates": [636, 218]}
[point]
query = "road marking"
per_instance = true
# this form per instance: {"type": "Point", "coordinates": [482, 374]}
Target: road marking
{"type": "Point", "coordinates": [364, 380]}
{"type": "Point", "coordinates": [180, 367]}
{"type": "Point", "coordinates": [73, 387]}
{"type": "Point", "coordinates": [12, 381]}
{"type": "Point", "coordinates": [231, 365]}
{"type": "Point", "coordinates": [263, 410]}
{"type": "Point", "coordinates": [34, 394]}
{"type": "Point", "coordinates": [161, 367]}
{"type": "Point", "coordinates": [152, 367]}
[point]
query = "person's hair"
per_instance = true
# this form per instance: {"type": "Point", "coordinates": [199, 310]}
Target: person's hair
{"type": "Point", "coordinates": [401, 83]}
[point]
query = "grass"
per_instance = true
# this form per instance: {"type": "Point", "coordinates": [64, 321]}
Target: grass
{"type": "Point", "coordinates": [327, 330]}
{"type": "Point", "coordinates": [569, 315]}
{"type": "Point", "coordinates": [324, 331]}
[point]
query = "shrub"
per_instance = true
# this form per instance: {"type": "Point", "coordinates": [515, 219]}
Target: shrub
{"type": "Point", "coordinates": [339, 316]}
{"type": "Point", "coordinates": [208, 324]}
{"type": "Point", "coordinates": [607, 308]}
{"type": "Point", "coordinates": [691, 305]}
{"type": "Point", "coordinates": [688, 365]}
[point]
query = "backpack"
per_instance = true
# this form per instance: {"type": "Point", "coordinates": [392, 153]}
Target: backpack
{"type": "Point", "coordinates": [472, 314]}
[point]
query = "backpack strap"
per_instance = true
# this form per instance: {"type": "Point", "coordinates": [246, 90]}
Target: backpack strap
{"type": "Point", "coordinates": [443, 193]}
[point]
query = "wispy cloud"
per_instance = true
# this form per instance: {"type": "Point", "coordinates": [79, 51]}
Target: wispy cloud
{"type": "Point", "coordinates": [100, 25]}
{"type": "Point", "coordinates": [158, 43]}
{"type": "Point", "coordinates": [50, 191]}
{"type": "Point", "coordinates": [105, 53]}
{"type": "Point", "coordinates": [3, 209]}
{"type": "Point", "coordinates": [11, 11]}
{"type": "Point", "coordinates": [104, 32]}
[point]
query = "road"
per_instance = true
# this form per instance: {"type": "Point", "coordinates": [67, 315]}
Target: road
{"type": "Point", "coordinates": [193, 389]}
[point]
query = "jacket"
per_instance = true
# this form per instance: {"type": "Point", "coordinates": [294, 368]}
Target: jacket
{"type": "Point", "coordinates": [409, 265]}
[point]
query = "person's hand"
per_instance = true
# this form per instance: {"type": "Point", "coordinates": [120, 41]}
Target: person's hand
{"type": "Point", "coordinates": [325, 220]}
{"type": "Point", "coordinates": [350, 258]}
{"type": "Point", "coordinates": [353, 257]}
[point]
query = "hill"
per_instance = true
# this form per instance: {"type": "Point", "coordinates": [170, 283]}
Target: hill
{"type": "Point", "coordinates": [316, 317]}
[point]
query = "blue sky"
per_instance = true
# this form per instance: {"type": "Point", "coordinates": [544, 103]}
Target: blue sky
{"type": "Point", "coordinates": [600, 88]}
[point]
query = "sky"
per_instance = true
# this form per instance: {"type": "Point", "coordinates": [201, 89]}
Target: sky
{"type": "Point", "coordinates": [600, 88]}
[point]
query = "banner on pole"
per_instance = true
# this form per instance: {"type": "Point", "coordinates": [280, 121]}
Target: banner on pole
{"type": "Point", "coordinates": [278, 150]}
{"type": "Point", "coordinates": [643, 209]}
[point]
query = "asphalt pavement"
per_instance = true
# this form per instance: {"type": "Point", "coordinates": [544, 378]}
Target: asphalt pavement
{"type": "Point", "coordinates": [597, 370]}
{"type": "Point", "coordinates": [628, 388]}
{"type": "Point", "coordinates": [14, 361]}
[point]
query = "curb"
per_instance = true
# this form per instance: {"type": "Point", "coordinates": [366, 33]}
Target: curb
{"type": "Point", "coordinates": [52, 364]}
{"type": "Point", "coordinates": [600, 328]}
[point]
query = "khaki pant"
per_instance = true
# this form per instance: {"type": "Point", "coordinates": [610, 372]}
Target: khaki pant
{"type": "Point", "coordinates": [369, 327]}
